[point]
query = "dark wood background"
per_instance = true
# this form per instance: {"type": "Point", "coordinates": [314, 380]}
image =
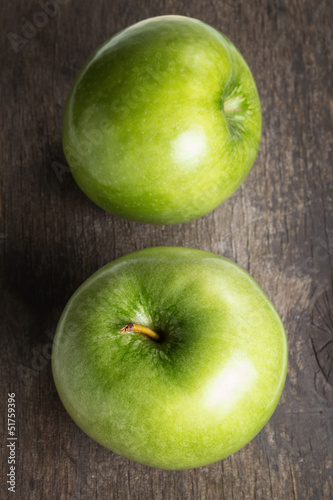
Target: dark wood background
{"type": "Point", "coordinates": [278, 226]}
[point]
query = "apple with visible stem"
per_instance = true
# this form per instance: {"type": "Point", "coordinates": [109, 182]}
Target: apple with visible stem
{"type": "Point", "coordinates": [163, 122]}
{"type": "Point", "coordinates": [170, 356]}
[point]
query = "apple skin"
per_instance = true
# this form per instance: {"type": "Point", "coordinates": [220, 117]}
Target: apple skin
{"type": "Point", "coordinates": [202, 392]}
{"type": "Point", "coordinates": [163, 122]}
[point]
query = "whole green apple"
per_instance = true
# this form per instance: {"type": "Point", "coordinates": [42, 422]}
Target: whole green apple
{"type": "Point", "coordinates": [170, 356]}
{"type": "Point", "coordinates": [163, 122]}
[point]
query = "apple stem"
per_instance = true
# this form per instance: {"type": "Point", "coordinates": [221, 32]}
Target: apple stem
{"type": "Point", "coordinates": [133, 327]}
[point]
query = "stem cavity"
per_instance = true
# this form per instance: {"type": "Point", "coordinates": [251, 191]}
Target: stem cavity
{"type": "Point", "coordinates": [235, 109]}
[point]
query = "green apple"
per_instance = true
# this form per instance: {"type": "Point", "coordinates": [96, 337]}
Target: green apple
{"type": "Point", "coordinates": [163, 122]}
{"type": "Point", "coordinates": [172, 357]}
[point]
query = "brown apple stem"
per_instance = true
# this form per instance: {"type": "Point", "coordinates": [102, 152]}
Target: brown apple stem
{"type": "Point", "coordinates": [133, 327]}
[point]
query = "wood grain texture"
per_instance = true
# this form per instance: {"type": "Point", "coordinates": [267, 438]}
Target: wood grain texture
{"type": "Point", "coordinates": [278, 226]}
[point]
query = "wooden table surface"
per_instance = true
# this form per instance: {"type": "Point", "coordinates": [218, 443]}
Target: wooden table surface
{"type": "Point", "coordinates": [278, 226]}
